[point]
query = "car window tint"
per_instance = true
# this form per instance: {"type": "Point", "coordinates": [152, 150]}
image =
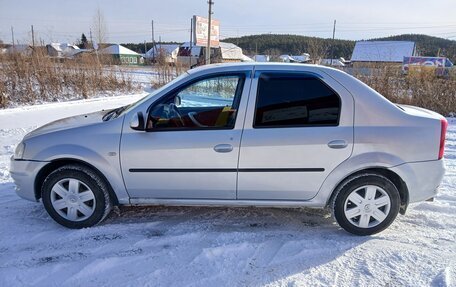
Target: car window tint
{"type": "Point", "coordinates": [295, 100]}
{"type": "Point", "coordinates": [208, 103]}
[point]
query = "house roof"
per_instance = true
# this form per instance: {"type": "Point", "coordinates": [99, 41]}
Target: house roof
{"type": "Point", "coordinates": [382, 51]}
{"type": "Point", "coordinates": [63, 46]}
{"type": "Point", "coordinates": [230, 51]}
{"type": "Point", "coordinates": [117, 49]}
{"type": "Point", "coordinates": [166, 48]}
{"type": "Point", "coordinates": [196, 50]}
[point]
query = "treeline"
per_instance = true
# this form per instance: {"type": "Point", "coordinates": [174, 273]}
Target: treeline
{"type": "Point", "coordinates": [273, 44]}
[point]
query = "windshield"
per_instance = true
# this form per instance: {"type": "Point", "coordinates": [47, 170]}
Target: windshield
{"type": "Point", "coordinates": [129, 107]}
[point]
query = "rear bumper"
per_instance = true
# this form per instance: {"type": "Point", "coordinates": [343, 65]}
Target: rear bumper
{"type": "Point", "coordinates": [24, 173]}
{"type": "Point", "coordinates": [422, 178]}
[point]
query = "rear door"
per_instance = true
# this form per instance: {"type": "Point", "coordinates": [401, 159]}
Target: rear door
{"type": "Point", "coordinates": [298, 128]}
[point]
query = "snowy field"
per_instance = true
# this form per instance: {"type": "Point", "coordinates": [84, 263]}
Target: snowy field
{"type": "Point", "coordinates": [171, 246]}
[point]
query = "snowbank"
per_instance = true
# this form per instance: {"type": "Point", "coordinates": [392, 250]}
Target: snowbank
{"type": "Point", "coordinates": [177, 246]}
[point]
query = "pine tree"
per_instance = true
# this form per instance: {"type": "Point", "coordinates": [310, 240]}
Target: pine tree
{"type": "Point", "coordinates": [84, 44]}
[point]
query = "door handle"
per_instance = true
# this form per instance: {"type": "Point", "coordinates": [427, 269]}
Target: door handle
{"type": "Point", "coordinates": [337, 144]}
{"type": "Point", "coordinates": [223, 148]}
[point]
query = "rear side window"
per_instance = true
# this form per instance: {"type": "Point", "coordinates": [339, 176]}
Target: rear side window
{"type": "Point", "coordinates": [295, 100]}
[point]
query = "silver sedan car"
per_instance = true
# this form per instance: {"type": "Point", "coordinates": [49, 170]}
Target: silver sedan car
{"type": "Point", "coordinates": [276, 135]}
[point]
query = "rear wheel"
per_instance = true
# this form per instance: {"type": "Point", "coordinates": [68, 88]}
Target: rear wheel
{"type": "Point", "coordinates": [366, 204]}
{"type": "Point", "coordinates": [75, 196]}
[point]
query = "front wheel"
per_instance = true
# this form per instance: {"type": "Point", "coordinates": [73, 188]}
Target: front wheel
{"type": "Point", "coordinates": [366, 204]}
{"type": "Point", "coordinates": [75, 196]}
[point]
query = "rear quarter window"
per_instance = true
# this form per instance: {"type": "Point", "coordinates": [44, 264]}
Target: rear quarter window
{"type": "Point", "coordinates": [295, 101]}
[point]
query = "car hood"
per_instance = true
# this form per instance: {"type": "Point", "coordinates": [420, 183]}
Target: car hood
{"type": "Point", "coordinates": [68, 123]}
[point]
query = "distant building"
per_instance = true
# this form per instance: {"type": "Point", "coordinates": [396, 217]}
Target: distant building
{"type": "Point", "coordinates": [261, 58]}
{"type": "Point", "coordinates": [169, 51]}
{"type": "Point", "coordinates": [117, 54]}
{"type": "Point", "coordinates": [62, 50]}
{"type": "Point", "coordinates": [226, 52]}
{"type": "Point", "coordinates": [190, 56]}
{"type": "Point", "coordinates": [295, 59]}
{"type": "Point", "coordinates": [333, 62]}
{"type": "Point", "coordinates": [232, 53]}
{"type": "Point", "coordinates": [20, 49]}
{"type": "Point", "coordinates": [382, 51]}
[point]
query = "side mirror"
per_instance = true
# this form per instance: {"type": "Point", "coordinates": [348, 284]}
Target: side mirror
{"type": "Point", "coordinates": [177, 100]}
{"type": "Point", "coordinates": [137, 122]}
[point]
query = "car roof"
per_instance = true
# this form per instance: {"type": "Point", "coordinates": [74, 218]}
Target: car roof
{"type": "Point", "coordinates": [221, 66]}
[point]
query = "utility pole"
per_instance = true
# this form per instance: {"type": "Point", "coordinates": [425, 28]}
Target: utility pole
{"type": "Point", "coordinates": [12, 35]}
{"type": "Point", "coordinates": [153, 43]}
{"type": "Point", "coordinates": [209, 23]}
{"type": "Point", "coordinates": [332, 47]}
{"type": "Point", "coordinates": [91, 40]}
{"type": "Point", "coordinates": [145, 47]}
{"type": "Point", "coordinates": [33, 38]}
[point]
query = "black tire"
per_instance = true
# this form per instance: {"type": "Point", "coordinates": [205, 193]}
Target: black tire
{"type": "Point", "coordinates": [352, 184]}
{"type": "Point", "coordinates": [101, 202]}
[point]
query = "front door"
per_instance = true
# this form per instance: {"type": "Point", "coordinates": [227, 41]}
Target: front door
{"type": "Point", "coordinates": [298, 128]}
{"type": "Point", "coordinates": [191, 149]}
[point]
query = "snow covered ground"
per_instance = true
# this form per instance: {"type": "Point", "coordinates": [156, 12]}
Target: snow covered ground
{"type": "Point", "coordinates": [176, 246]}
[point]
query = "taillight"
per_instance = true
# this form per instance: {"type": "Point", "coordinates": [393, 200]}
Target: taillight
{"type": "Point", "coordinates": [444, 125]}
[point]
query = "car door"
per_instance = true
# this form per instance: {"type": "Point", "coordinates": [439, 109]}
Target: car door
{"type": "Point", "coordinates": [298, 128]}
{"type": "Point", "coordinates": [191, 148]}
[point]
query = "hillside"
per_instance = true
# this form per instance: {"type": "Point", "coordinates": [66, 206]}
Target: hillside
{"type": "Point", "coordinates": [274, 44]}
{"type": "Point", "coordinates": [277, 44]}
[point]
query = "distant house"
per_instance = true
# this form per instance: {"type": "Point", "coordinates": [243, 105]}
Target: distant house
{"type": "Point", "coordinates": [232, 53]}
{"type": "Point", "coordinates": [169, 51]}
{"type": "Point", "coordinates": [4, 48]}
{"type": "Point", "coordinates": [295, 59]}
{"type": "Point", "coordinates": [62, 50]}
{"type": "Point", "coordinates": [226, 52]}
{"type": "Point", "coordinates": [193, 55]}
{"type": "Point", "coordinates": [382, 51]}
{"type": "Point", "coordinates": [20, 49]}
{"type": "Point", "coordinates": [333, 62]}
{"type": "Point", "coordinates": [117, 54]}
{"type": "Point", "coordinates": [261, 58]}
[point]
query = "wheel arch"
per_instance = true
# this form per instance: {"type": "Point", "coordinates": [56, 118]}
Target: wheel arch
{"type": "Point", "coordinates": [392, 176]}
{"type": "Point", "coordinates": [54, 164]}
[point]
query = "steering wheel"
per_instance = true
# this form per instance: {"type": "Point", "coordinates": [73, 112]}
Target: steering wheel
{"type": "Point", "coordinates": [174, 113]}
{"type": "Point", "coordinates": [191, 115]}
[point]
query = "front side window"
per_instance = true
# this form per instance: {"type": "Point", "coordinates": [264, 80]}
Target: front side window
{"type": "Point", "coordinates": [295, 100]}
{"type": "Point", "coordinates": [206, 104]}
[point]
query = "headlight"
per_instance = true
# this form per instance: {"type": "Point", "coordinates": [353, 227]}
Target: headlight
{"type": "Point", "coordinates": [19, 152]}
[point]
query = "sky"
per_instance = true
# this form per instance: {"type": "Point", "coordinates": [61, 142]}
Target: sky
{"type": "Point", "coordinates": [129, 21]}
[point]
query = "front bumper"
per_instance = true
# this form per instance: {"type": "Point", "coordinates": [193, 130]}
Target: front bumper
{"type": "Point", "coordinates": [24, 173]}
{"type": "Point", "coordinates": [422, 178]}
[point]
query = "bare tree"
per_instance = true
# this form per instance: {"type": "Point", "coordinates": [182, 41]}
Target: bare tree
{"type": "Point", "coordinates": [274, 54]}
{"type": "Point", "coordinates": [317, 50]}
{"type": "Point", "coordinates": [100, 29]}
